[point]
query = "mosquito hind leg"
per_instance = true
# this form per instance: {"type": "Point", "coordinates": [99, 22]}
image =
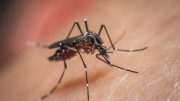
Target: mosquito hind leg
{"type": "Point", "coordinates": [59, 81]}
{"type": "Point", "coordinates": [35, 44]}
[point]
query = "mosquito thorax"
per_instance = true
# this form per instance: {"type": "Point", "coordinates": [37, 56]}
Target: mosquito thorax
{"type": "Point", "coordinates": [93, 37]}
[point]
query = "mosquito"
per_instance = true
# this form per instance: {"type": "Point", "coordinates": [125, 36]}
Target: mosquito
{"type": "Point", "coordinates": [87, 42]}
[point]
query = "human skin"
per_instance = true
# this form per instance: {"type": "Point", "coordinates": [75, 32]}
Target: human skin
{"type": "Point", "coordinates": [154, 24]}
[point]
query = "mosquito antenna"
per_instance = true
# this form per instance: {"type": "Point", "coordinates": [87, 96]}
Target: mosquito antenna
{"type": "Point", "coordinates": [86, 24]}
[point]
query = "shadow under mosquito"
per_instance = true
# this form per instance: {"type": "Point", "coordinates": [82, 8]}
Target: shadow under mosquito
{"type": "Point", "coordinates": [76, 83]}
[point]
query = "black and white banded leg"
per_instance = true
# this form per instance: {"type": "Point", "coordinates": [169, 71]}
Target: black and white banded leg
{"type": "Point", "coordinates": [105, 60]}
{"type": "Point", "coordinates": [87, 81]}
{"type": "Point", "coordinates": [113, 44]}
{"type": "Point", "coordinates": [59, 81]}
{"type": "Point", "coordinates": [100, 30]}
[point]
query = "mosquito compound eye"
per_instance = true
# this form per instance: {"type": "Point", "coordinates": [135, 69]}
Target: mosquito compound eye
{"type": "Point", "coordinates": [103, 49]}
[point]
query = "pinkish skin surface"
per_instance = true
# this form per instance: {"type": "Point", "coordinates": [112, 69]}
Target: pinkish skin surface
{"type": "Point", "coordinates": [152, 23]}
{"type": "Point", "coordinates": [37, 20]}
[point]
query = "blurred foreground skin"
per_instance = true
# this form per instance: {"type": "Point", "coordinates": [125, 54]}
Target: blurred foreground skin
{"type": "Point", "coordinates": [148, 23]}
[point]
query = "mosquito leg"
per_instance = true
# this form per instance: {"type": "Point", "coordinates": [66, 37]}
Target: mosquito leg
{"type": "Point", "coordinates": [125, 50]}
{"type": "Point", "coordinates": [75, 23]}
{"type": "Point", "coordinates": [105, 60]}
{"type": "Point", "coordinates": [87, 81]}
{"type": "Point", "coordinates": [123, 33]}
{"type": "Point", "coordinates": [92, 50]}
{"type": "Point", "coordinates": [59, 81]}
{"type": "Point", "coordinates": [135, 50]}
{"type": "Point", "coordinates": [103, 26]}
{"type": "Point", "coordinates": [86, 25]}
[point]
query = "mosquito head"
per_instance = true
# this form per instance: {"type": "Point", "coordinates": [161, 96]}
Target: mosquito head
{"type": "Point", "coordinates": [103, 49]}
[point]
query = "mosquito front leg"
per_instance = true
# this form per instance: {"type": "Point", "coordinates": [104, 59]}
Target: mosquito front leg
{"type": "Point", "coordinates": [134, 50]}
{"type": "Point", "coordinates": [103, 26]}
{"type": "Point", "coordinates": [124, 50]}
{"type": "Point", "coordinates": [105, 60]}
